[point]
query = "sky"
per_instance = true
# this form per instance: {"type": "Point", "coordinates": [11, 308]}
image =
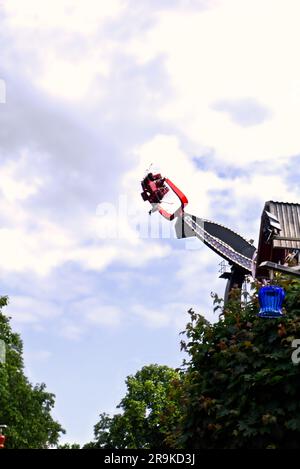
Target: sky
{"type": "Point", "coordinates": [91, 94]}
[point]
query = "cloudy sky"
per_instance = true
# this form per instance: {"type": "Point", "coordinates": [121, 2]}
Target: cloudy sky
{"type": "Point", "coordinates": [91, 93]}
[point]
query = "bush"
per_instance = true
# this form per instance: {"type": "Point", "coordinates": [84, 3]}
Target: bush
{"type": "Point", "coordinates": [241, 387]}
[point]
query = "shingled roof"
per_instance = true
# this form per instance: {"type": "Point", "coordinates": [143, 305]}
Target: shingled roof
{"type": "Point", "coordinates": [288, 215]}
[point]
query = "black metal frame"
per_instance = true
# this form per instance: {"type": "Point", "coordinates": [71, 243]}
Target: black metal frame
{"type": "Point", "coordinates": [280, 268]}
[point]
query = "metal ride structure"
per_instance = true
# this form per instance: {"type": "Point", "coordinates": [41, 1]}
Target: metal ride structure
{"type": "Point", "coordinates": [231, 246]}
{"type": "Point", "coordinates": [279, 241]}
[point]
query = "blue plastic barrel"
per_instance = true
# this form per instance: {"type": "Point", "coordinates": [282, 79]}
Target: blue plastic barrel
{"type": "Point", "coordinates": [270, 300]}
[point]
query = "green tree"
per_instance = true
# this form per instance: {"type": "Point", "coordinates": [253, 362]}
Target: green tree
{"type": "Point", "coordinates": [150, 410]}
{"type": "Point", "coordinates": [24, 408]}
{"type": "Point", "coordinates": [69, 446]}
{"type": "Point", "coordinates": [241, 387]}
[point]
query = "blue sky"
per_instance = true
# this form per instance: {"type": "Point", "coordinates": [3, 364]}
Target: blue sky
{"type": "Point", "coordinates": [96, 91]}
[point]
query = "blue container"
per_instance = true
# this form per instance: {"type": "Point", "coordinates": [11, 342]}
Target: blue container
{"type": "Point", "coordinates": [270, 300]}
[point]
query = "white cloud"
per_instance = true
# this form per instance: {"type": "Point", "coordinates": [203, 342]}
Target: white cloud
{"type": "Point", "coordinates": [56, 39]}
{"type": "Point", "coordinates": [38, 243]}
{"type": "Point", "coordinates": [209, 56]}
{"type": "Point", "coordinates": [16, 186]}
{"type": "Point", "coordinates": [71, 331]}
{"type": "Point", "coordinates": [232, 51]}
{"type": "Point", "coordinates": [87, 314]}
{"type": "Point", "coordinates": [98, 314]}
{"type": "Point", "coordinates": [165, 153]}
{"type": "Point", "coordinates": [162, 315]}
{"type": "Point", "coordinates": [259, 184]}
{"type": "Point", "coordinates": [27, 309]}
{"type": "Point", "coordinates": [38, 250]}
{"type": "Point", "coordinates": [68, 16]}
{"type": "Point", "coordinates": [48, 247]}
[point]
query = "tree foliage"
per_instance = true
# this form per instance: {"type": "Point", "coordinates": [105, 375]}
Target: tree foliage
{"type": "Point", "coordinates": [237, 388]}
{"type": "Point", "coordinates": [69, 446]}
{"type": "Point", "coordinates": [241, 387]}
{"type": "Point", "coordinates": [24, 408]}
{"type": "Point", "coordinates": [149, 411]}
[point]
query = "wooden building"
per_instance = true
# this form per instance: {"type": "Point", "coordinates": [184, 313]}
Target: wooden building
{"type": "Point", "coordinates": [279, 237]}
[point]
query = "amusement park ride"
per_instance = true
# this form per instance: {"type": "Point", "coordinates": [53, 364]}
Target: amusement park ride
{"type": "Point", "coordinates": [278, 249]}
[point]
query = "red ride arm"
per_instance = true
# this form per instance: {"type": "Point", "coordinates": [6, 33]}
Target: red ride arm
{"type": "Point", "coordinates": [183, 199]}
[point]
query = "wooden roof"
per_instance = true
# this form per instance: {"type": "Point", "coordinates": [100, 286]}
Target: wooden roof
{"type": "Point", "coordinates": [288, 215]}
